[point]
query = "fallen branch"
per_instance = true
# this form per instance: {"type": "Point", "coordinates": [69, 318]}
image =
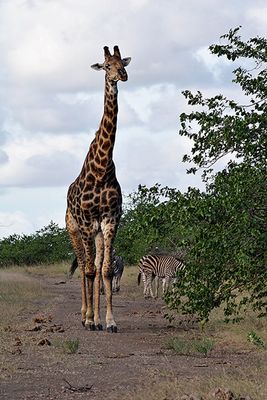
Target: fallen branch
{"type": "Point", "coordinates": [80, 389]}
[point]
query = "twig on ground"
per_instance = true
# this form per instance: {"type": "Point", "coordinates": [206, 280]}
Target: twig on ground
{"type": "Point", "coordinates": [80, 389]}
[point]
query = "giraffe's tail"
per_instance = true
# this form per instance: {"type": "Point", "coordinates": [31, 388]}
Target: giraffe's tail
{"type": "Point", "coordinates": [139, 278]}
{"type": "Point", "coordinates": [73, 267]}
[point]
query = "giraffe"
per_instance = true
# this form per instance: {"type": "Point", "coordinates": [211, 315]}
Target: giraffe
{"type": "Point", "coordinates": [94, 203]}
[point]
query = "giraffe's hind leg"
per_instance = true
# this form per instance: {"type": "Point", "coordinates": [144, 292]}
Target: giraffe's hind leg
{"type": "Point", "coordinates": [77, 244]}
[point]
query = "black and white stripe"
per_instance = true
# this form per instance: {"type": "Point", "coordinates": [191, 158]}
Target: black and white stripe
{"type": "Point", "coordinates": [158, 266]}
{"type": "Point", "coordinates": [117, 270]}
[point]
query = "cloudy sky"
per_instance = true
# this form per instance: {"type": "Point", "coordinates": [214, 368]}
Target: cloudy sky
{"type": "Point", "coordinates": [51, 101]}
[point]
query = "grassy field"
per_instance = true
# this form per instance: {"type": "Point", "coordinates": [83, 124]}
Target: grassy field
{"type": "Point", "coordinates": [18, 292]}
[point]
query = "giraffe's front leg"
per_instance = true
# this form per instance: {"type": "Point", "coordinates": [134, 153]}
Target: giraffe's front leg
{"type": "Point", "coordinates": [99, 245]}
{"type": "Point", "coordinates": [108, 234]}
{"type": "Point", "coordinates": [90, 277]}
{"type": "Point", "coordinates": [111, 325]}
{"type": "Point", "coordinates": [89, 321]}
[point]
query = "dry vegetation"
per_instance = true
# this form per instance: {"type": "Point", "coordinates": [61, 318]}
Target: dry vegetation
{"type": "Point", "coordinates": [18, 293]}
{"type": "Point", "coordinates": [24, 289]}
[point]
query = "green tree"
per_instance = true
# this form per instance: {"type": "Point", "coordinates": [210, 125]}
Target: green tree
{"type": "Point", "coordinates": [153, 222]}
{"type": "Point", "coordinates": [48, 245]}
{"type": "Point", "coordinates": [226, 263]}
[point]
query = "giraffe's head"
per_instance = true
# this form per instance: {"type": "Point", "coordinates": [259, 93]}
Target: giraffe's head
{"type": "Point", "coordinates": [113, 65]}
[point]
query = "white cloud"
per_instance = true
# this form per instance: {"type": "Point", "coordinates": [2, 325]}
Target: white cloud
{"type": "Point", "coordinates": [211, 62]}
{"type": "Point", "coordinates": [258, 15]}
{"type": "Point", "coordinates": [14, 222]}
{"type": "Point", "coordinates": [3, 157]}
{"type": "Point", "coordinates": [44, 160]}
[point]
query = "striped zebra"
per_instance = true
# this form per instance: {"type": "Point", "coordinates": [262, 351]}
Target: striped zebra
{"type": "Point", "coordinates": [158, 266]}
{"type": "Point", "coordinates": [117, 268]}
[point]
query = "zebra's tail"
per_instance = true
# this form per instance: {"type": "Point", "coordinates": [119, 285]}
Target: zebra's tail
{"type": "Point", "coordinates": [73, 267]}
{"type": "Point", "coordinates": [139, 278]}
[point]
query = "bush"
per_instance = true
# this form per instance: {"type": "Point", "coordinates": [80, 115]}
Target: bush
{"type": "Point", "coordinates": [51, 244]}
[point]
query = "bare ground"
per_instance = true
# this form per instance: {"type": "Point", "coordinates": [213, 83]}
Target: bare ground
{"type": "Point", "coordinates": [36, 363]}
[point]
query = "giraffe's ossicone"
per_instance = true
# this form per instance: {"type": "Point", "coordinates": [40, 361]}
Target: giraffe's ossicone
{"type": "Point", "coordinates": [94, 202]}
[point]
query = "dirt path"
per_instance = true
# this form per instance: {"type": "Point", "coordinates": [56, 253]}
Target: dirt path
{"type": "Point", "coordinates": [106, 366]}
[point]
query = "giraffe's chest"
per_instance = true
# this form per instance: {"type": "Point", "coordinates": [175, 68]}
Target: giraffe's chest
{"type": "Point", "coordinates": [96, 202]}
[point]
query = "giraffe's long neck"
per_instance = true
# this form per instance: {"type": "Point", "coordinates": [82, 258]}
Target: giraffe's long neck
{"type": "Point", "coordinates": [105, 136]}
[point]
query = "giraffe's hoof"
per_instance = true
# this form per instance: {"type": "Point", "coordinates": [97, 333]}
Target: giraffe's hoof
{"type": "Point", "coordinates": [90, 326]}
{"type": "Point", "coordinates": [99, 327]}
{"type": "Point", "coordinates": [112, 329]}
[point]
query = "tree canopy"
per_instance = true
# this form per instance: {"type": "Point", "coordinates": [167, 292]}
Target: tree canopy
{"type": "Point", "coordinates": [227, 262]}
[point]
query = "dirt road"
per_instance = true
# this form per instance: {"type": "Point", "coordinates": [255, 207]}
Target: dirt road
{"type": "Point", "coordinates": [40, 361]}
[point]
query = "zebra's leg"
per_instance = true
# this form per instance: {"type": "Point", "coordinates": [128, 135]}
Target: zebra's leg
{"type": "Point", "coordinates": [144, 278]}
{"type": "Point", "coordinates": [115, 284]}
{"type": "Point", "coordinates": [150, 279]}
{"type": "Point", "coordinates": [102, 290]}
{"type": "Point", "coordinates": [174, 281]}
{"type": "Point", "coordinates": [118, 283]}
{"type": "Point", "coordinates": [147, 286]}
{"type": "Point", "coordinates": [156, 280]}
{"type": "Point", "coordinates": [165, 284]}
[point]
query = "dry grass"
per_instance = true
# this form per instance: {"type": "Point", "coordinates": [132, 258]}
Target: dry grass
{"type": "Point", "coordinates": [18, 292]}
{"type": "Point", "coordinates": [129, 287]}
{"type": "Point", "coordinates": [235, 336]}
{"type": "Point", "coordinates": [248, 382]}
{"type": "Point", "coordinates": [59, 269]}
{"type": "Point", "coordinates": [19, 295]}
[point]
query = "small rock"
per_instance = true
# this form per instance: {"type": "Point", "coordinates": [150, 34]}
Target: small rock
{"type": "Point", "coordinates": [36, 328]}
{"type": "Point", "coordinates": [7, 328]}
{"type": "Point", "coordinates": [16, 351]}
{"type": "Point", "coordinates": [18, 342]}
{"type": "Point", "coordinates": [223, 394]}
{"type": "Point", "coordinates": [44, 342]}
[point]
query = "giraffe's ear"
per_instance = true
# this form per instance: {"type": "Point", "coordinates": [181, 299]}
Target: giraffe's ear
{"type": "Point", "coordinates": [126, 61]}
{"type": "Point", "coordinates": [97, 66]}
